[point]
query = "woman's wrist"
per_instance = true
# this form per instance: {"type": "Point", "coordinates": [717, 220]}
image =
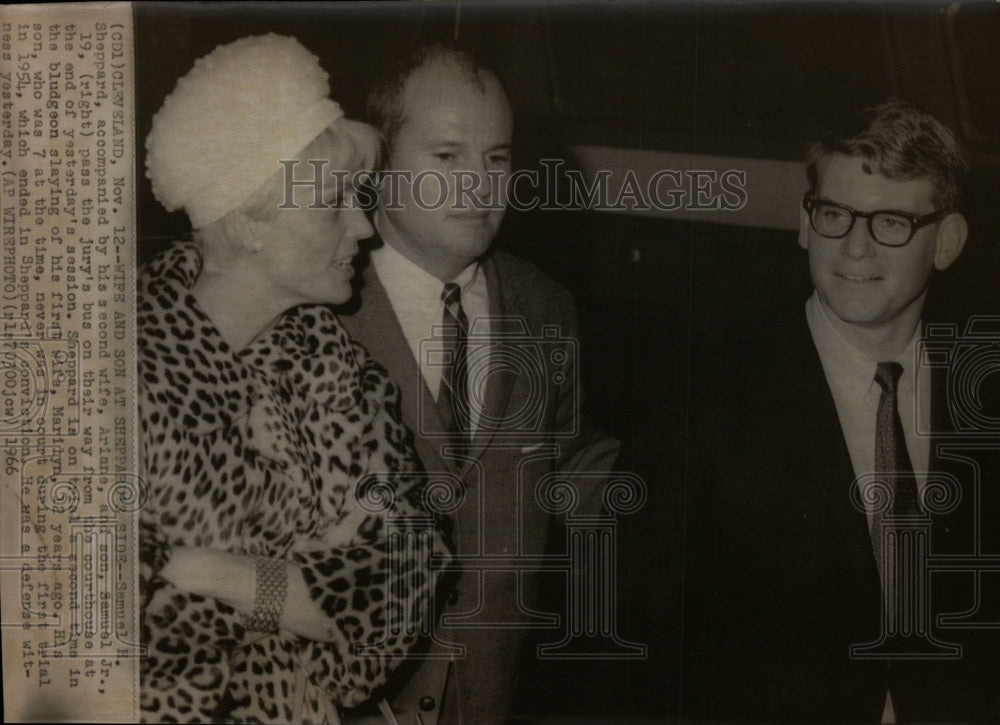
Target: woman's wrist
{"type": "Point", "coordinates": [212, 573]}
{"type": "Point", "coordinates": [256, 586]}
{"type": "Point", "coordinates": [270, 593]}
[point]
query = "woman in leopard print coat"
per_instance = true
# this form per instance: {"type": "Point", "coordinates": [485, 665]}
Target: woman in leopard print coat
{"type": "Point", "coordinates": [276, 462]}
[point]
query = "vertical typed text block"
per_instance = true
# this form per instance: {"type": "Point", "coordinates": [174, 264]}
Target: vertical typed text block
{"type": "Point", "coordinates": [70, 492]}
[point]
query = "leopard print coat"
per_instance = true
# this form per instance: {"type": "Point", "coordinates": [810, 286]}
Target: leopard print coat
{"type": "Point", "coordinates": [258, 453]}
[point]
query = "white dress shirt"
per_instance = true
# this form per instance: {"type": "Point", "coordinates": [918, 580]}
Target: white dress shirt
{"type": "Point", "coordinates": [415, 296]}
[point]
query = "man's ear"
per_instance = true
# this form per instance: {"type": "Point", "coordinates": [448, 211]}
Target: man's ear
{"type": "Point", "coordinates": [803, 228]}
{"type": "Point", "coordinates": [951, 234]}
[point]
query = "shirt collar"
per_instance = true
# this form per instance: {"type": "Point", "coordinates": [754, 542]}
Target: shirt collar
{"type": "Point", "coordinates": [847, 367]}
{"type": "Point", "coordinates": [398, 269]}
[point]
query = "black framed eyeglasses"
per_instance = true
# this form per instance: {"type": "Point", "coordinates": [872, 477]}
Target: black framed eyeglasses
{"type": "Point", "coordinates": [887, 227]}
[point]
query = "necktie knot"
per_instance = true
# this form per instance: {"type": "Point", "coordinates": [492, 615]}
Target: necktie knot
{"type": "Point", "coordinates": [887, 376]}
{"type": "Point", "coordinates": [451, 295]}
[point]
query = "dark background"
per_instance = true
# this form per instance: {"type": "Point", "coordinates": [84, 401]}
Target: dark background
{"type": "Point", "coordinates": [739, 80]}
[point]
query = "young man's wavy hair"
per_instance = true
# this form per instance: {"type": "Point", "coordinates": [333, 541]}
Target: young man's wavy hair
{"type": "Point", "coordinates": [900, 142]}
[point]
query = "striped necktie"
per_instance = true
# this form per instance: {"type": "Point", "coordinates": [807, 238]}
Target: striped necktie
{"type": "Point", "coordinates": [453, 398]}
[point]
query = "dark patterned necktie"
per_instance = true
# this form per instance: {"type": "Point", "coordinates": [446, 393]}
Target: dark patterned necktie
{"type": "Point", "coordinates": [892, 465]}
{"type": "Point", "coordinates": [453, 398]}
{"type": "Point", "coordinates": [891, 456]}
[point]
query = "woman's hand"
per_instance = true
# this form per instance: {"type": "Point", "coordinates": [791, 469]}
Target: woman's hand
{"type": "Point", "coordinates": [232, 578]}
{"type": "Point", "coordinates": [343, 534]}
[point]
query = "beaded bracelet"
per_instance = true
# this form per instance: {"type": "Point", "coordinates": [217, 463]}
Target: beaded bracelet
{"type": "Point", "coordinates": [269, 598]}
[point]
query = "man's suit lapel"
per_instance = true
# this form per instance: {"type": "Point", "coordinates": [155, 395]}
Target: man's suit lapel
{"type": "Point", "coordinates": [941, 424]}
{"type": "Point", "coordinates": [953, 532]}
{"type": "Point", "coordinates": [377, 326]}
{"type": "Point", "coordinates": [824, 451]}
{"type": "Point", "coordinates": [502, 380]}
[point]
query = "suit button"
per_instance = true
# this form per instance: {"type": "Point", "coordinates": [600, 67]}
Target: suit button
{"type": "Point", "coordinates": [453, 597]}
{"type": "Point", "coordinates": [427, 703]}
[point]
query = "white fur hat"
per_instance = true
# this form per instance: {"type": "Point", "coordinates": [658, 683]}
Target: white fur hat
{"type": "Point", "coordinates": [222, 131]}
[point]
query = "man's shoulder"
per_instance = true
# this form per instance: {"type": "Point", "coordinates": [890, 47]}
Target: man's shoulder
{"type": "Point", "coordinates": [755, 337]}
{"type": "Point", "coordinates": [530, 283]}
{"type": "Point", "coordinates": [752, 365]}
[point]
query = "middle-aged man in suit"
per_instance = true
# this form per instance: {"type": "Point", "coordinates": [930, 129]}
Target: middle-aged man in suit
{"type": "Point", "coordinates": [798, 412]}
{"type": "Point", "coordinates": [448, 125]}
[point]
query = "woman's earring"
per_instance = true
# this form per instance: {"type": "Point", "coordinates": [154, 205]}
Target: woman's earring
{"type": "Point", "coordinates": [246, 233]}
{"type": "Point", "coordinates": [253, 240]}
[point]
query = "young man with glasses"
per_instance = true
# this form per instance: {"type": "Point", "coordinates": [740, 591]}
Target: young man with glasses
{"type": "Point", "coordinates": [902, 176]}
{"type": "Point", "coordinates": [803, 604]}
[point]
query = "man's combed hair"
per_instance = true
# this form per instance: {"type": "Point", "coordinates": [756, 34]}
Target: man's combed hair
{"type": "Point", "coordinates": [385, 101]}
{"type": "Point", "coordinates": [900, 142]}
